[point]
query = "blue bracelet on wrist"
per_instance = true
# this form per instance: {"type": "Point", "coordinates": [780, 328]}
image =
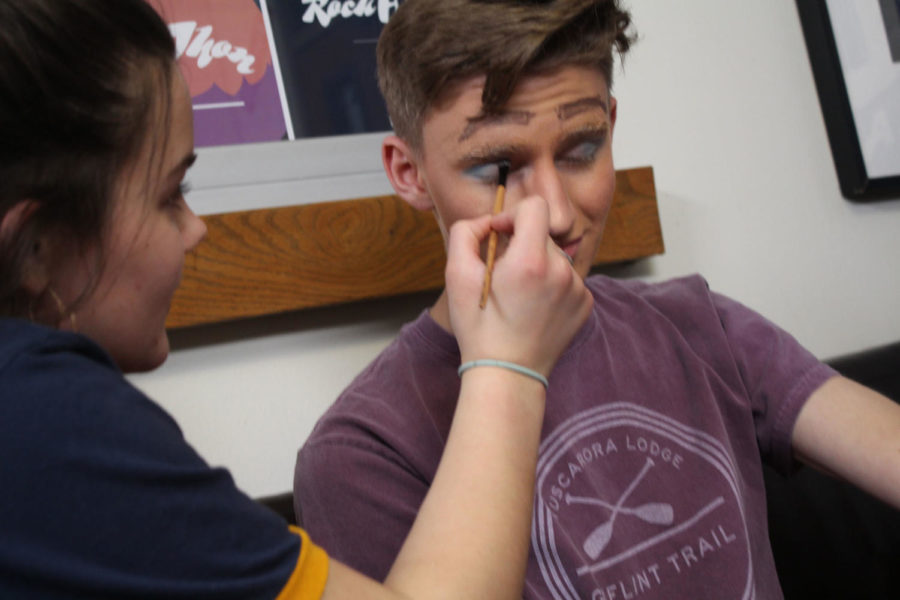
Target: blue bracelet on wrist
{"type": "Point", "coordinates": [489, 362]}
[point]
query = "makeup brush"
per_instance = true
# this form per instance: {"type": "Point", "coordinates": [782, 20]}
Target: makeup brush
{"type": "Point", "coordinates": [503, 167]}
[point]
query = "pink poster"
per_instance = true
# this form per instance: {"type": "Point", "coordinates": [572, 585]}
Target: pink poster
{"type": "Point", "coordinates": [225, 55]}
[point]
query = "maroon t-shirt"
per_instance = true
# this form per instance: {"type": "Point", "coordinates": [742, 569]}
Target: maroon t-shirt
{"type": "Point", "coordinates": [649, 480]}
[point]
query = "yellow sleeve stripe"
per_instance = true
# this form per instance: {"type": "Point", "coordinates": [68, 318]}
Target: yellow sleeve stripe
{"type": "Point", "coordinates": [307, 582]}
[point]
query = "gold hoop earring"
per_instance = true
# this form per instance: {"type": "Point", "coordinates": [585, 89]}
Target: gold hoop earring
{"type": "Point", "coordinates": [62, 309]}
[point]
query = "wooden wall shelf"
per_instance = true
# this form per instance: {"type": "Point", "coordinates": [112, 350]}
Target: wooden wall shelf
{"type": "Point", "coordinates": [268, 261]}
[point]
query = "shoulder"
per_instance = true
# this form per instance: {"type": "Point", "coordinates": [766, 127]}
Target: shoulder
{"type": "Point", "coordinates": [399, 382]}
{"type": "Point", "coordinates": [52, 379]}
{"type": "Point", "coordinates": [675, 298]}
{"type": "Point", "coordinates": [104, 474]}
{"type": "Point", "coordinates": [67, 411]}
{"type": "Point", "coordinates": [688, 297]}
{"type": "Point", "coordinates": [42, 368]}
{"type": "Point", "coordinates": [688, 287]}
{"type": "Point", "coordinates": [22, 342]}
{"type": "Point", "coordinates": [399, 407]}
{"type": "Point", "coordinates": [686, 310]}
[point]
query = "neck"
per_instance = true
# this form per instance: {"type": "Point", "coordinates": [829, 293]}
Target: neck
{"type": "Point", "coordinates": [440, 312]}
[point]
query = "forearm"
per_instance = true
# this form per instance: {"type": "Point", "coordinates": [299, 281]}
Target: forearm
{"type": "Point", "coordinates": [474, 523]}
{"type": "Point", "coordinates": [852, 432]}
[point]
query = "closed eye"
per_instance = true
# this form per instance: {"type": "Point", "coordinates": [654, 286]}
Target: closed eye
{"type": "Point", "coordinates": [583, 153]}
{"type": "Point", "coordinates": [487, 173]}
{"type": "Point", "coordinates": [583, 148]}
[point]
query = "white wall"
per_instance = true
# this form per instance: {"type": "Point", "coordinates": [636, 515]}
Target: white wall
{"type": "Point", "coordinates": [719, 98]}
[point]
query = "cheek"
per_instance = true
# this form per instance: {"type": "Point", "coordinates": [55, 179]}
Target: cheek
{"type": "Point", "coordinates": [595, 194]}
{"type": "Point", "coordinates": [158, 272]}
{"type": "Point", "coordinates": [172, 269]}
{"type": "Point", "coordinates": [462, 200]}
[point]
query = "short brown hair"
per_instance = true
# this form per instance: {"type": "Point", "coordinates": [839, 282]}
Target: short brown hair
{"type": "Point", "coordinates": [429, 44]}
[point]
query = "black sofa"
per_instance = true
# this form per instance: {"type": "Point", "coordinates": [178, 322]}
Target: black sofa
{"type": "Point", "coordinates": [830, 540]}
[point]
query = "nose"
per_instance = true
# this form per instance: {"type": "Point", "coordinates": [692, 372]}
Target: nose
{"type": "Point", "coordinates": [193, 231]}
{"type": "Point", "coordinates": [546, 181]}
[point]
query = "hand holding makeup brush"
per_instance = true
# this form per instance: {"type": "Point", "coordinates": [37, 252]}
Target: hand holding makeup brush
{"type": "Point", "coordinates": [503, 171]}
{"type": "Point", "coordinates": [537, 301]}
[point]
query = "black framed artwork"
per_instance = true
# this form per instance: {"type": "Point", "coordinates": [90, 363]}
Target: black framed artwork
{"type": "Point", "coordinates": [267, 70]}
{"type": "Point", "coordinates": [854, 52]}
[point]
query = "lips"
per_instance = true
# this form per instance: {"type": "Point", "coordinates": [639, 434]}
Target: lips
{"type": "Point", "coordinates": [570, 247]}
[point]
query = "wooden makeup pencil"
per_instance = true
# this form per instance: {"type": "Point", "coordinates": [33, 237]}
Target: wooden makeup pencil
{"type": "Point", "coordinates": [503, 167]}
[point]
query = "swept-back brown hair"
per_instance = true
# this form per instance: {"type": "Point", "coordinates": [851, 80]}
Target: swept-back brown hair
{"type": "Point", "coordinates": [428, 45]}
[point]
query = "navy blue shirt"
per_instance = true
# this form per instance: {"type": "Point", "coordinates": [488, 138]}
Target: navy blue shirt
{"type": "Point", "coordinates": [100, 495]}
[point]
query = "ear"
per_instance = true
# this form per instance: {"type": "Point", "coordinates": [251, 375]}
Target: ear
{"type": "Point", "coordinates": [36, 267]}
{"type": "Point", "coordinates": [403, 169]}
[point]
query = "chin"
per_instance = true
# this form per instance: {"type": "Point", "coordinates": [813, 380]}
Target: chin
{"type": "Point", "coordinates": [146, 361]}
{"type": "Point", "coordinates": [583, 268]}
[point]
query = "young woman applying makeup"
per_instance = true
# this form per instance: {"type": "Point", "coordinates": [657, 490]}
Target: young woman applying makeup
{"type": "Point", "coordinates": [100, 495]}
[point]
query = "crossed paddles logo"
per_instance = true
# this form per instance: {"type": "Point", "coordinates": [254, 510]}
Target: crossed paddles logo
{"type": "Point", "coordinates": [658, 513]}
{"type": "Point", "coordinates": [629, 501]}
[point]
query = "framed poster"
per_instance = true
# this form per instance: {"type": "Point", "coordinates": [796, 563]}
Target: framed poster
{"type": "Point", "coordinates": [266, 70]}
{"type": "Point", "coordinates": [225, 55]}
{"type": "Point", "coordinates": [854, 51]}
{"type": "Point", "coordinates": [286, 105]}
{"type": "Point", "coordinates": [326, 54]}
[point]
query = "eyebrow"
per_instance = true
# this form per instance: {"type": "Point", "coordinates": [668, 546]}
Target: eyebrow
{"type": "Point", "coordinates": [563, 112]}
{"type": "Point", "coordinates": [518, 117]}
{"type": "Point", "coordinates": [570, 109]}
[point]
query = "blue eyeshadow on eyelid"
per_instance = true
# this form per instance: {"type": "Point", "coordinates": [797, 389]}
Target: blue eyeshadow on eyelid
{"type": "Point", "coordinates": [486, 172]}
{"type": "Point", "coordinates": [585, 150]}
